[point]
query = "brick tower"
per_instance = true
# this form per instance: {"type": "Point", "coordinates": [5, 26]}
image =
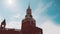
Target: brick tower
{"type": "Point", "coordinates": [29, 23]}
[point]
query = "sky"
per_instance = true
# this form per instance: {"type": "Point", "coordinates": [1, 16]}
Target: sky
{"type": "Point", "coordinates": [45, 12]}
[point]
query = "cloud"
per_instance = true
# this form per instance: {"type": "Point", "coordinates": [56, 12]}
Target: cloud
{"type": "Point", "coordinates": [17, 16]}
{"type": "Point", "coordinates": [42, 7]}
{"type": "Point", "coordinates": [1, 19]}
{"type": "Point", "coordinates": [13, 24]}
{"type": "Point", "coordinates": [40, 11]}
{"type": "Point", "coordinates": [50, 28]}
{"type": "Point", "coordinates": [45, 22]}
{"type": "Point", "coordinates": [10, 5]}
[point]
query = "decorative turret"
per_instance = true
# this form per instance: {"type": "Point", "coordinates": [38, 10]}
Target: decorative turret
{"type": "Point", "coordinates": [28, 12]}
{"type": "Point", "coordinates": [3, 24]}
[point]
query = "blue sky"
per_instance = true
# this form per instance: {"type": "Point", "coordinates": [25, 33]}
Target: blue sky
{"type": "Point", "coordinates": [45, 12]}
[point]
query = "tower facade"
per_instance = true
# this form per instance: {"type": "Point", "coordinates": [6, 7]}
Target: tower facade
{"type": "Point", "coordinates": [29, 24]}
{"type": "Point", "coordinates": [28, 21]}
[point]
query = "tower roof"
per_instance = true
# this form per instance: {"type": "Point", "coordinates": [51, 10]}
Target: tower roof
{"type": "Point", "coordinates": [29, 6]}
{"type": "Point", "coordinates": [3, 21]}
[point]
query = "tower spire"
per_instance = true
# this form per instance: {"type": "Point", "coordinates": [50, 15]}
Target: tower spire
{"type": "Point", "coordinates": [29, 6]}
{"type": "Point", "coordinates": [29, 10]}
